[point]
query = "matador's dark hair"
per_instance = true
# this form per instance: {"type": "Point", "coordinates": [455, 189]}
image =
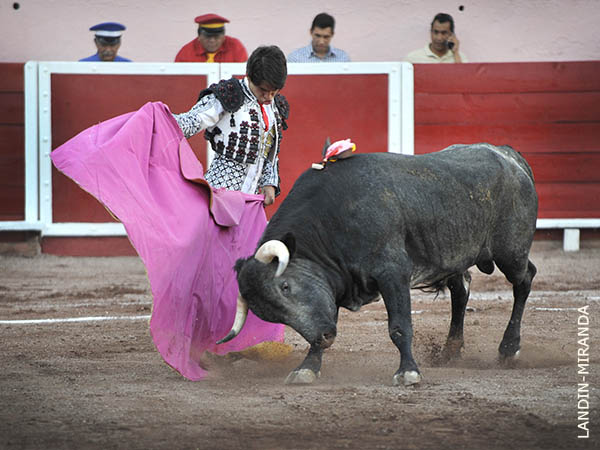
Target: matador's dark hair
{"type": "Point", "coordinates": [267, 63]}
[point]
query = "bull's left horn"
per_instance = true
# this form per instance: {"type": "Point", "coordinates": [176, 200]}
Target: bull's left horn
{"type": "Point", "coordinates": [240, 318]}
{"type": "Point", "coordinates": [271, 249]}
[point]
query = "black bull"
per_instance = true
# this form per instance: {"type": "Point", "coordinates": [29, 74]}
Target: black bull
{"type": "Point", "coordinates": [381, 224]}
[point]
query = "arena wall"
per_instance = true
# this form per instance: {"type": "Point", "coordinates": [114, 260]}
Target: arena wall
{"type": "Point", "coordinates": [549, 111]}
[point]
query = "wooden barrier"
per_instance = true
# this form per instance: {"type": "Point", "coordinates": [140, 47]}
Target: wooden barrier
{"type": "Point", "coordinates": [86, 100]}
{"type": "Point", "coordinates": [322, 106]}
{"type": "Point", "coordinates": [550, 112]}
{"type": "Point", "coordinates": [12, 143]}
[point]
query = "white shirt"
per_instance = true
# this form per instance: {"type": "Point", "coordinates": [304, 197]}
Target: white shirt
{"type": "Point", "coordinates": [425, 55]}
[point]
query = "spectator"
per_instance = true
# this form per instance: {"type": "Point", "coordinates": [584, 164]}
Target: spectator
{"type": "Point", "coordinates": [243, 122]}
{"type": "Point", "coordinates": [107, 37]}
{"type": "Point", "coordinates": [212, 45]}
{"type": "Point", "coordinates": [320, 49]}
{"type": "Point", "coordinates": [444, 46]}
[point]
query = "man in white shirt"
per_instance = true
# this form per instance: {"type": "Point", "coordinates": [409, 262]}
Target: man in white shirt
{"type": "Point", "coordinates": [444, 45]}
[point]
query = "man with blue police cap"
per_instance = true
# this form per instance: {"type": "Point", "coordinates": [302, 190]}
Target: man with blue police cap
{"type": "Point", "coordinates": [107, 37]}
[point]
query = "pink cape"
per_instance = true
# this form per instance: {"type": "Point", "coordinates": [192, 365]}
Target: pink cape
{"type": "Point", "coordinates": [188, 235]}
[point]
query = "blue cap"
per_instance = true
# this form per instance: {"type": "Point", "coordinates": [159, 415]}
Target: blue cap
{"type": "Point", "coordinates": [108, 31]}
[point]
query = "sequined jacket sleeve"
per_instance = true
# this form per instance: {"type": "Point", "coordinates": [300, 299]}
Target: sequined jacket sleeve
{"type": "Point", "coordinates": [270, 174]}
{"type": "Point", "coordinates": [204, 114]}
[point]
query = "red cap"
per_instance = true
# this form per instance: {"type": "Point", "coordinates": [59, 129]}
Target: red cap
{"type": "Point", "coordinates": [208, 19]}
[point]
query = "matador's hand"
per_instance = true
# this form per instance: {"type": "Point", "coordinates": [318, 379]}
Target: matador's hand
{"type": "Point", "coordinates": [269, 193]}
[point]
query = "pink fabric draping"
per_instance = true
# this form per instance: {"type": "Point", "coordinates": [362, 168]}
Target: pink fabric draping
{"type": "Point", "coordinates": [188, 235]}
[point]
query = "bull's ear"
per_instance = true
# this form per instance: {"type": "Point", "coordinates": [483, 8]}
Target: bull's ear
{"type": "Point", "coordinates": [290, 242]}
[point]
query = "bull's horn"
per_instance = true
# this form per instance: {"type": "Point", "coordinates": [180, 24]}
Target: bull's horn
{"type": "Point", "coordinates": [271, 249]}
{"type": "Point", "coordinates": [240, 318]}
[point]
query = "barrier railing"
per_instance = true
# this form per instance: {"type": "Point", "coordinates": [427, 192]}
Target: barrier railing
{"type": "Point", "coordinates": [38, 124]}
{"type": "Point", "coordinates": [38, 208]}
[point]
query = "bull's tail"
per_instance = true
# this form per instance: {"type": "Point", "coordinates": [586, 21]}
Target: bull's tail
{"type": "Point", "coordinates": [436, 287]}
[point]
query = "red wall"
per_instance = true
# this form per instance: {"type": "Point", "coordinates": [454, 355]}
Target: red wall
{"type": "Point", "coordinates": [334, 106]}
{"type": "Point", "coordinates": [322, 106]}
{"type": "Point", "coordinates": [12, 143]}
{"type": "Point", "coordinates": [311, 121]}
{"type": "Point", "coordinates": [550, 112]}
{"type": "Point", "coordinates": [80, 101]}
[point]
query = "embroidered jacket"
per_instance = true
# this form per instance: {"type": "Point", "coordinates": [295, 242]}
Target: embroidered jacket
{"type": "Point", "coordinates": [245, 140]}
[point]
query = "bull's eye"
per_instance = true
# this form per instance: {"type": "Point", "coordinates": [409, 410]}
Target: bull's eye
{"type": "Point", "coordinates": [285, 288]}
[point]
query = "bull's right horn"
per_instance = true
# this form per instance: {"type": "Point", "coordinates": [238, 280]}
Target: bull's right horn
{"type": "Point", "coordinates": [272, 249]}
{"type": "Point", "coordinates": [241, 314]}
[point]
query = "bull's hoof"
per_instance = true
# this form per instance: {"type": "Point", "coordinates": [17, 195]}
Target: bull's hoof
{"type": "Point", "coordinates": [451, 351]}
{"type": "Point", "coordinates": [408, 378]}
{"type": "Point", "coordinates": [509, 348]}
{"type": "Point", "coordinates": [302, 376]}
{"type": "Point", "coordinates": [508, 360]}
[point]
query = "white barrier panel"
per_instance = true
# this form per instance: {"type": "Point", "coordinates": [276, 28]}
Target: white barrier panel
{"type": "Point", "coordinates": [400, 120]}
{"type": "Point", "coordinates": [571, 229]}
{"type": "Point", "coordinates": [38, 126]}
{"type": "Point", "coordinates": [400, 92]}
{"type": "Point", "coordinates": [45, 71]}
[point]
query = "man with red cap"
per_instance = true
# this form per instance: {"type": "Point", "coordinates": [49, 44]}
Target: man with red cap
{"type": "Point", "coordinates": [212, 45]}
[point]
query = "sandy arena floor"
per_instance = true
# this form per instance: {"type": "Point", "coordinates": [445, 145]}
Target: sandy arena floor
{"type": "Point", "coordinates": [101, 383]}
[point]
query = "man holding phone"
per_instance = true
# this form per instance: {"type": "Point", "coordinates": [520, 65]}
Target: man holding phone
{"type": "Point", "coordinates": [444, 45]}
